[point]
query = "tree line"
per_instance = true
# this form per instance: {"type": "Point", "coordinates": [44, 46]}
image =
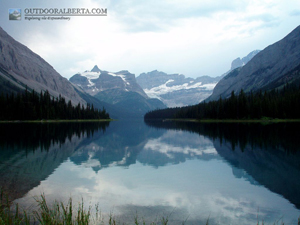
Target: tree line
{"type": "Point", "coordinates": [43, 106]}
{"type": "Point", "coordinates": [283, 104]}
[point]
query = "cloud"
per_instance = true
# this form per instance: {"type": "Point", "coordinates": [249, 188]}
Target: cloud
{"type": "Point", "coordinates": [295, 13]}
{"type": "Point", "coordinates": [193, 38]}
{"type": "Point", "coordinates": [136, 16]}
{"type": "Point", "coordinates": [191, 189]}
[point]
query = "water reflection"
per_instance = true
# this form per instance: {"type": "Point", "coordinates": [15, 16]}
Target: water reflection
{"type": "Point", "coordinates": [29, 153]}
{"type": "Point", "coordinates": [279, 136]}
{"type": "Point", "coordinates": [127, 142]}
{"type": "Point", "coordinates": [184, 170]}
{"type": "Point", "coordinates": [269, 153]}
{"type": "Point", "coordinates": [119, 146]}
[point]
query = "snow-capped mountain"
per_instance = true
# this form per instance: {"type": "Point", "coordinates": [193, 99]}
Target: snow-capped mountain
{"type": "Point", "coordinates": [96, 80]}
{"type": "Point", "coordinates": [119, 89]}
{"type": "Point", "coordinates": [175, 90]}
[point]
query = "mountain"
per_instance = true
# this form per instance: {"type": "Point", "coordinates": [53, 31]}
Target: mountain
{"type": "Point", "coordinates": [20, 67]}
{"type": "Point", "coordinates": [271, 68]}
{"type": "Point", "coordinates": [175, 90]}
{"type": "Point", "coordinates": [96, 80]}
{"type": "Point", "coordinates": [119, 89]}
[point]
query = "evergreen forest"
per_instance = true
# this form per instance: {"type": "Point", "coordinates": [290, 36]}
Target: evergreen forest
{"type": "Point", "coordinates": [43, 106]}
{"type": "Point", "coordinates": [281, 104]}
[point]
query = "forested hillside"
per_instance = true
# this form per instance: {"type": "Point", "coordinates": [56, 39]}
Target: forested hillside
{"type": "Point", "coordinates": [34, 106]}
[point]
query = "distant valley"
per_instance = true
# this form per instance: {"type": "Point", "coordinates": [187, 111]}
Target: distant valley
{"type": "Point", "coordinates": [124, 95]}
{"type": "Point", "coordinates": [151, 90]}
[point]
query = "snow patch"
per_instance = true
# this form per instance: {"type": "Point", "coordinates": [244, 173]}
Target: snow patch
{"type": "Point", "coordinates": [155, 92]}
{"type": "Point", "coordinates": [209, 86]}
{"type": "Point", "coordinates": [120, 75]}
{"type": "Point", "coordinates": [91, 75]}
{"type": "Point", "coordinates": [90, 83]}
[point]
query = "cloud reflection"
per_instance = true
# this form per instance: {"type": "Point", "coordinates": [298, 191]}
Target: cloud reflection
{"type": "Point", "coordinates": [195, 189]}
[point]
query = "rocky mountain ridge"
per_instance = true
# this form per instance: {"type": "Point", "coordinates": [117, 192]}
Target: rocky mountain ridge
{"type": "Point", "coordinates": [96, 80]}
{"type": "Point", "coordinates": [21, 67]}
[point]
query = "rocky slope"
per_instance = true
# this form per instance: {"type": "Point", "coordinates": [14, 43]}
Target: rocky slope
{"type": "Point", "coordinates": [271, 68]}
{"type": "Point", "coordinates": [20, 67]}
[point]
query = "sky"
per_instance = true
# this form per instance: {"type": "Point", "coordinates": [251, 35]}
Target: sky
{"type": "Point", "coordinates": [191, 37]}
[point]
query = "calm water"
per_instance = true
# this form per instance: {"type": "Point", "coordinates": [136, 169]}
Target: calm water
{"type": "Point", "coordinates": [229, 173]}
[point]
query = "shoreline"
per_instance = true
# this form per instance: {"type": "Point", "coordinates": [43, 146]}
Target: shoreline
{"type": "Point", "coordinates": [55, 121]}
{"type": "Point", "coordinates": [236, 121]}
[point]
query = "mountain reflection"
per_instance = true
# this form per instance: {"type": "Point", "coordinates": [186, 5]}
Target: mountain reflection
{"type": "Point", "coordinates": [127, 142]}
{"type": "Point", "coordinates": [265, 154]}
{"type": "Point", "coordinates": [119, 146]}
{"type": "Point", "coordinates": [261, 154]}
{"type": "Point", "coordinates": [30, 152]}
{"type": "Point", "coordinates": [187, 168]}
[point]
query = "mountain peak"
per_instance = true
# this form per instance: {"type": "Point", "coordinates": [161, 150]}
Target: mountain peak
{"type": "Point", "coordinates": [95, 69]}
{"type": "Point", "coordinates": [238, 62]}
{"type": "Point", "coordinates": [92, 82]}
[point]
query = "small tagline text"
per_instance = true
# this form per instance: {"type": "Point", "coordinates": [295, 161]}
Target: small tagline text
{"type": "Point", "coordinates": [42, 18]}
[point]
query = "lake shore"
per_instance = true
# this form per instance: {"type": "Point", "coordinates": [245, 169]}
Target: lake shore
{"type": "Point", "coordinates": [264, 120]}
{"type": "Point", "coordinates": [54, 121]}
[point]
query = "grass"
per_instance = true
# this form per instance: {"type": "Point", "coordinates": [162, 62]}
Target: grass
{"type": "Point", "coordinates": [66, 214]}
{"type": "Point", "coordinates": [56, 214]}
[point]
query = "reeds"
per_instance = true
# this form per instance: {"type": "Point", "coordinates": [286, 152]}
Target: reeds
{"type": "Point", "coordinates": [10, 214]}
{"type": "Point", "coordinates": [59, 213]}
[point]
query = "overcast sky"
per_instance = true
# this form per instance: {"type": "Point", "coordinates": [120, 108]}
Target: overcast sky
{"type": "Point", "coordinates": [191, 37]}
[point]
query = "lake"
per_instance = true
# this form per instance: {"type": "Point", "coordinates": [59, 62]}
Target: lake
{"type": "Point", "coordinates": [227, 173]}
